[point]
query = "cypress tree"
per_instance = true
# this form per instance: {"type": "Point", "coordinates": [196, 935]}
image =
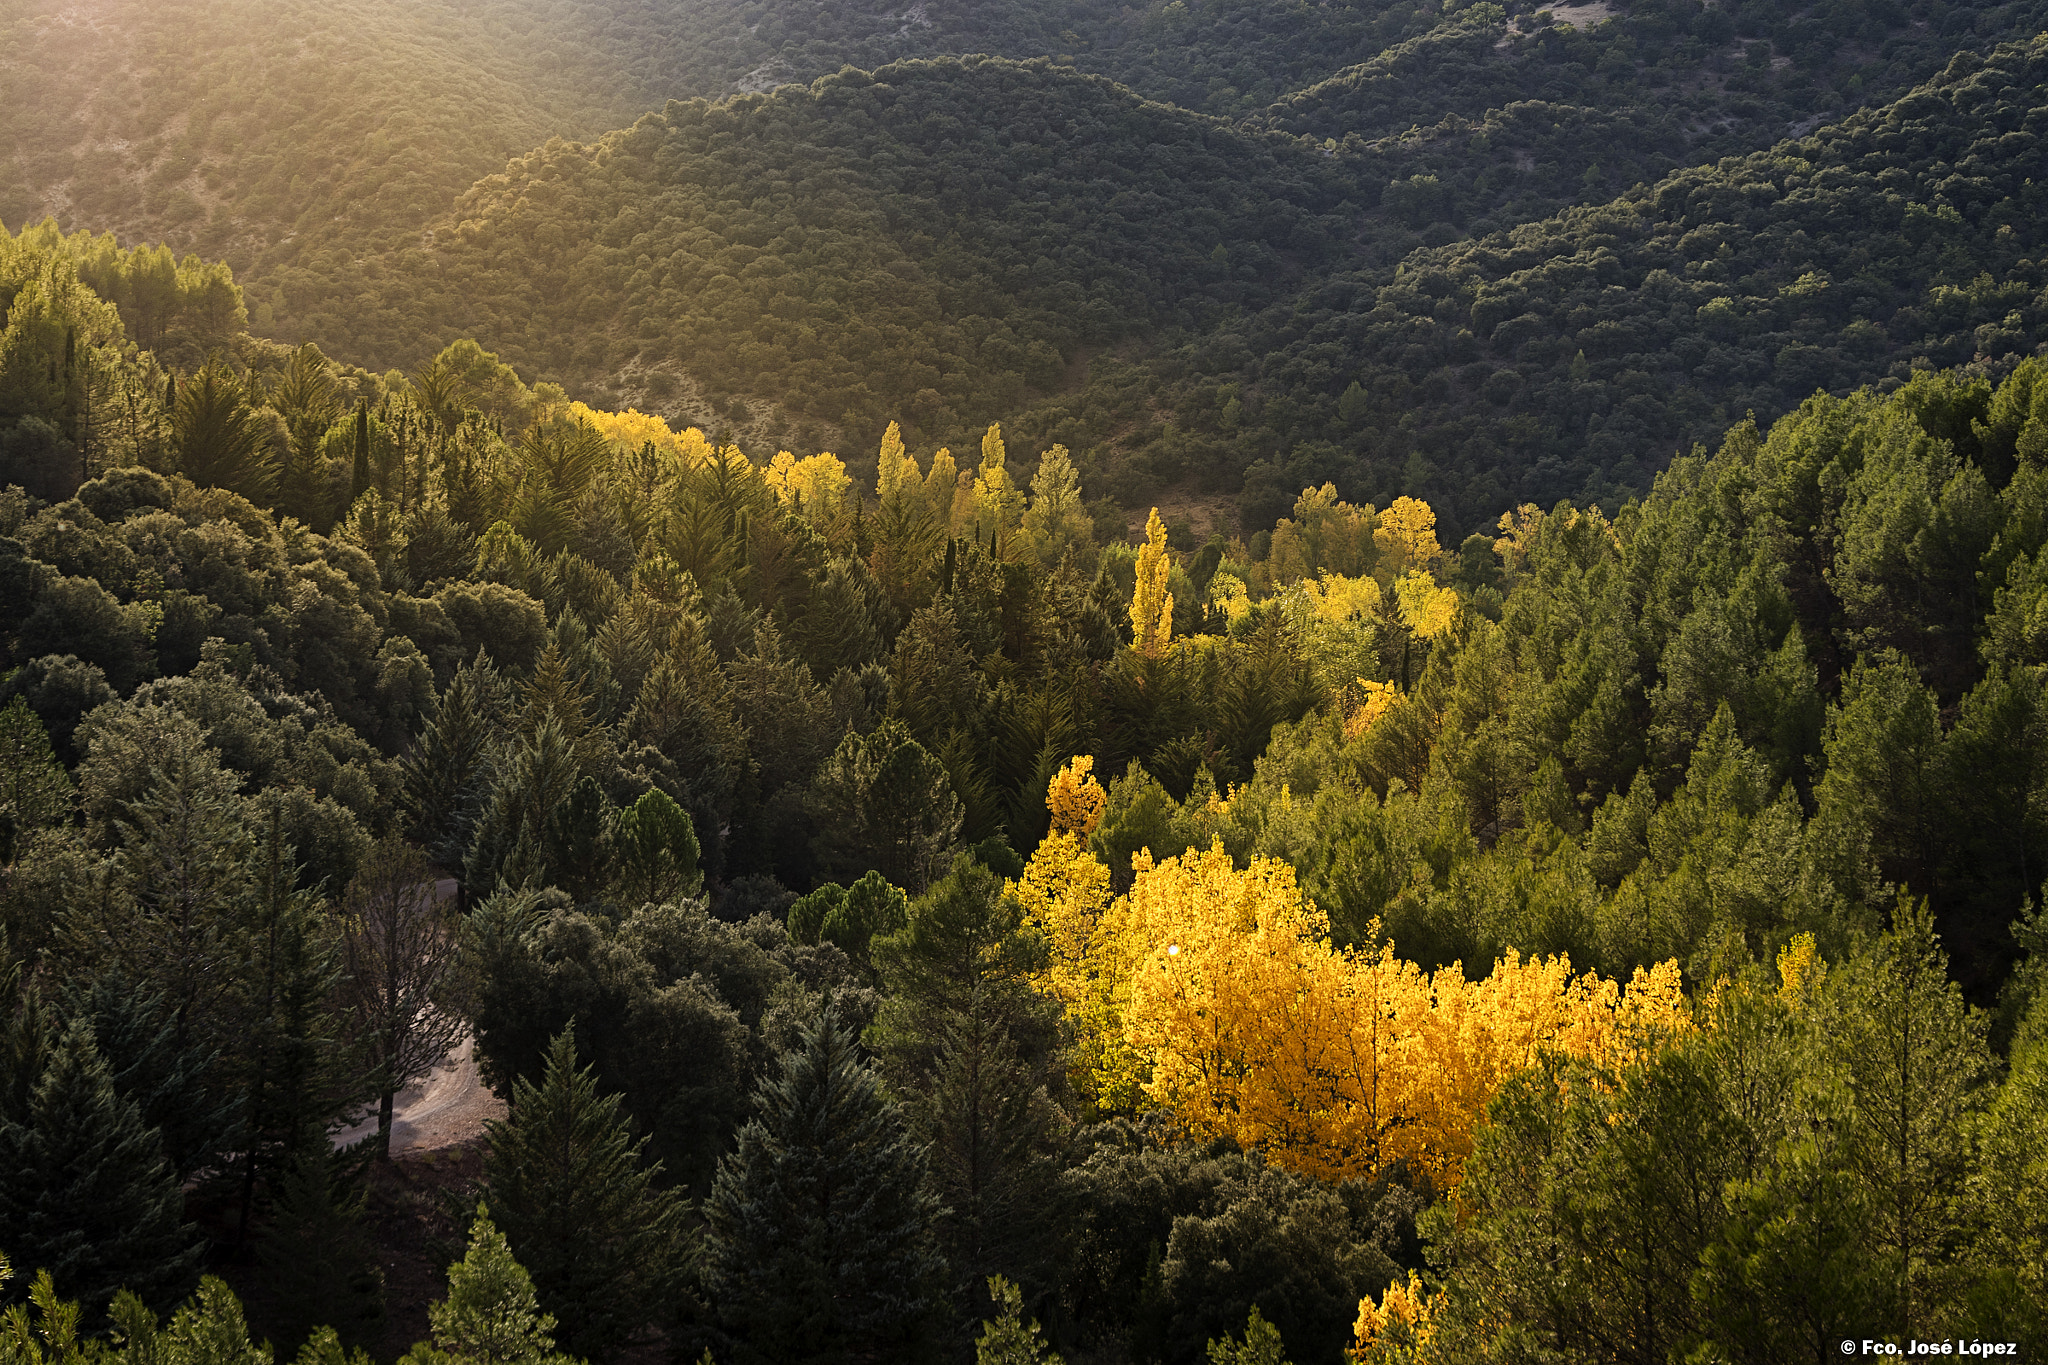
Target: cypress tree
{"type": "Point", "coordinates": [579, 1207]}
{"type": "Point", "coordinates": [359, 476]}
{"type": "Point", "coordinates": [821, 1246]}
{"type": "Point", "coordinates": [88, 1195]}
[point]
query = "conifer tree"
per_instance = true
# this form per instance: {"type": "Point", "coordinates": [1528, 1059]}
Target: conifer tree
{"type": "Point", "coordinates": [578, 1204]}
{"type": "Point", "coordinates": [446, 771]}
{"type": "Point", "coordinates": [657, 849]}
{"type": "Point", "coordinates": [968, 1045]}
{"type": "Point", "coordinates": [317, 1261]}
{"type": "Point", "coordinates": [820, 1223]}
{"type": "Point", "coordinates": [359, 470]}
{"type": "Point", "coordinates": [1009, 1339]}
{"type": "Point", "coordinates": [88, 1195]}
{"type": "Point", "coordinates": [490, 1316]}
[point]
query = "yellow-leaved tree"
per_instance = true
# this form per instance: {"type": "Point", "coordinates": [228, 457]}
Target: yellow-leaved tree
{"type": "Point", "coordinates": [1406, 539]}
{"type": "Point", "coordinates": [1214, 992]}
{"type": "Point", "coordinates": [1151, 603]}
{"type": "Point", "coordinates": [998, 504]}
{"type": "Point", "coordinates": [1065, 895]}
{"type": "Point", "coordinates": [814, 486]}
{"type": "Point", "coordinates": [896, 471]}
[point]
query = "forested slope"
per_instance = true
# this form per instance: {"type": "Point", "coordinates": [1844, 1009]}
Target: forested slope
{"type": "Point", "coordinates": [1176, 934]}
{"type": "Point", "coordinates": [323, 167]}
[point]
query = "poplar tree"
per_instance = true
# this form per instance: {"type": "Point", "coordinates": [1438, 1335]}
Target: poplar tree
{"type": "Point", "coordinates": [578, 1204]}
{"type": "Point", "coordinates": [820, 1223]}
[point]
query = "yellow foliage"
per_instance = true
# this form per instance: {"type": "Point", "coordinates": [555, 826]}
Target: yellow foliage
{"type": "Point", "coordinates": [895, 471]}
{"type": "Point", "coordinates": [1339, 600]}
{"type": "Point", "coordinates": [1517, 533]}
{"type": "Point", "coordinates": [998, 504]}
{"type": "Point", "coordinates": [1800, 967]}
{"type": "Point", "coordinates": [632, 429]}
{"type": "Point", "coordinates": [1228, 593]}
{"type": "Point", "coordinates": [1378, 699]}
{"type": "Point", "coordinates": [1406, 537]}
{"type": "Point", "coordinates": [1426, 609]}
{"type": "Point", "coordinates": [1065, 894]}
{"type": "Point", "coordinates": [939, 487]}
{"type": "Point", "coordinates": [1151, 603]}
{"type": "Point", "coordinates": [1338, 1064]}
{"type": "Point", "coordinates": [1075, 798]}
{"type": "Point", "coordinates": [1398, 1330]}
{"type": "Point", "coordinates": [814, 485]}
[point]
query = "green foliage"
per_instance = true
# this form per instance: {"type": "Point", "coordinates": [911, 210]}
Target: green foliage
{"type": "Point", "coordinates": [970, 1051]}
{"type": "Point", "coordinates": [318, 1261]}
{"type": "Point", "coordinates": [658, 850]}
{"type": "Point", "coordinates": [90, 1198]}
{"type": "Point", "coordinates": [820, 1246]}
{"type": "Point", "coordinates": [605, 1246]}
{"type": "Point", "coordinates": [491, 1315]}
{"type": "Point", "coordinates": [1007, 1339]}
{"type": "Point", "coordinates": [1261, 1345]}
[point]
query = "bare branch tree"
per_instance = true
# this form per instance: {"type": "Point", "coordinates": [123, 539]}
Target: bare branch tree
{"type": "Point", "coordinates": [399, 943]}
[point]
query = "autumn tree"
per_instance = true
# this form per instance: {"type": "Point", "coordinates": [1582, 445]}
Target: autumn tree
{"type": "Point", "coordinates": [1151, 603]}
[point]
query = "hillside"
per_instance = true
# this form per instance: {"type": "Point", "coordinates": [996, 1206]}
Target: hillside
{"type": "Point", "coordinates": [327, 171]}
{"type": "Point", "coordinates": [1704, 831]}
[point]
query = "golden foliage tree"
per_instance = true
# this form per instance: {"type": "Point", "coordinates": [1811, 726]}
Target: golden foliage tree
{"type": "Point", "coordinates": [1151, 603]}
{"type": "Point", "coordinates": [1406, 538]}
{"type": "Point", "coordinates": [1075, 798]}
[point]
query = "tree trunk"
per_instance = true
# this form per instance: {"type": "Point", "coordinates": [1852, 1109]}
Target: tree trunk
{"type": "Point", "coordinates": [385, 1104]}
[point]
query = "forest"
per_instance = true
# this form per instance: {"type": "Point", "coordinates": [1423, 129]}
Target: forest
{"type": "Point", "coordinates": [913, 920]}
{"type": "Point", "coordinates": [1222, 248]}
{"type": "Point", "coordinates": [1196, 681]}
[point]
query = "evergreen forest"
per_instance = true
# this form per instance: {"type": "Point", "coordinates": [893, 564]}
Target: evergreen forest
{"type": "Point", "coordinates": [1215, 681]}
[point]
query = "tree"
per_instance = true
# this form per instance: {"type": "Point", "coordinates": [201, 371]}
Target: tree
{"type": "Point", "coordinates": [1261, 1345]}
{"type": "Point", "coordinates": [1056, 521]}
{"type": "Point", "coordinates": [970, 1049]}
{"type": "Point", "coordinates": [446, 770]}
{"type": "Point", "coordinates": [318, 1264]}
{"type": "Point", "coordinates": [1151, 603]}
{"type": "Point", "coordinates": [35, 791]}
{"type": "Point", "coordinates": [578, 1204]}
{"type": "Point", "coordinates": [657, 848]}
{"type": "Point", "coordinates": [398, 950]}
{"type": "Point", "coordinates": [882, 801]}
{"type": "Point", "coordinates": [89, 1196]}
{"type": "Point", "coordinates": [1008, 1339]}
{"type": "Point", "coordinates": [820, 1223]}
{"type": "Point", "coordinates": [1913, 1053]}
{"type": "Point", "coordinates": [491, 1315]}
{"type": "Point", "coordinates": [359, 467]}
{"type": "Point", "coordinates": [220, 442]}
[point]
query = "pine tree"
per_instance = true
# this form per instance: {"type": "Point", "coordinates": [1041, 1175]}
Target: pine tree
{"type": "Point", "coordinates": [657, 849]}
{"type": "Point", "coordinates": [1009, 1339]}
{"type": "Point", "coordinates": [318, 1264]}
{"type": "Point", "coordinates": [820, 1222]}
{"type": "Point", "coordinates": [89, 1196]}
{"type": "Point", "coordinates": [446, 770]}
{"type": "Point", "coordinates": [490, 1316]}
{"type": "Point", "coordinates": [965, 1041]}
{"type": "Point", "coordinates": [579, 1206]}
